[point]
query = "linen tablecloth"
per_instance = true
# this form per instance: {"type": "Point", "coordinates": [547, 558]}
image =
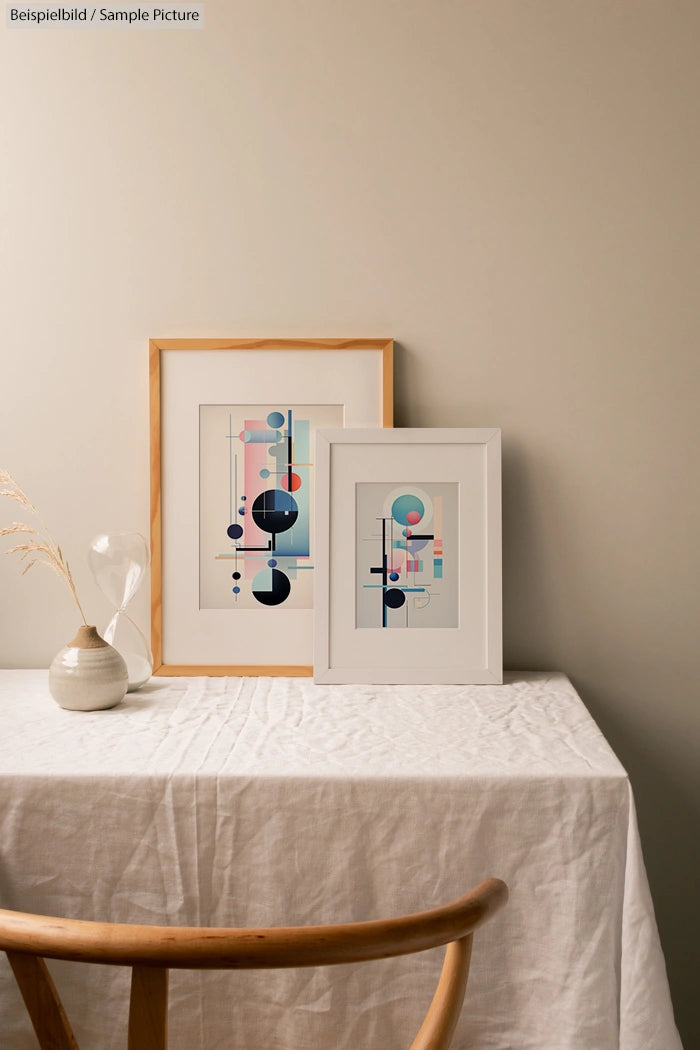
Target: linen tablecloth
{"type": "Point", "coordinates": [241, 801]}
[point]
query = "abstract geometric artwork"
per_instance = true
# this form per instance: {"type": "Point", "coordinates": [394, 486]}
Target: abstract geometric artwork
{"type": "Point", "coordinates": [408, 527]}
{"type": "Point", "coordinates": [407, 555]}
{"type": "Point", "coordinates": [233, 479]}
{"type": "Point", "coordinates": [256, 504]}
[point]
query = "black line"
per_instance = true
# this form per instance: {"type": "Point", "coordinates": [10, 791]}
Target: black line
{"type": "Point", "coordinates": [383, 571]}
{"type": "Point", "coordinates": [289, 451]}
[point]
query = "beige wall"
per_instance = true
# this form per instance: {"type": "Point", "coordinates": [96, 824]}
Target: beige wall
{"type": "Point", "coordinates": [509, 189]}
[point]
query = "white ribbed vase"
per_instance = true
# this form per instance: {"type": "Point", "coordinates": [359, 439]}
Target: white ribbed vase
{"type": "Point", "coordinates": [88, 674]}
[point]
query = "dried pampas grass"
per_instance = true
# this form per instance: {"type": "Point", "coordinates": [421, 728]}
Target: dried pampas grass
{"type": "Point", "coordinates": [39, 548]}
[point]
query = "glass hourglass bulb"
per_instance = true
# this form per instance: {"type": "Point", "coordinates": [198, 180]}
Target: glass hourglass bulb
{"type": "Point", "coordinates": [119, 561]}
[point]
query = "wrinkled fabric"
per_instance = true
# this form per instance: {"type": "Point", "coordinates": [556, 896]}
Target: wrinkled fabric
{"type": "Point", "coordinates": [244, 801]}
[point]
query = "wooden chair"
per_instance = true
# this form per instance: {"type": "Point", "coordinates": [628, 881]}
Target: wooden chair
{"type": "Point", "coordinates": [152, 950]}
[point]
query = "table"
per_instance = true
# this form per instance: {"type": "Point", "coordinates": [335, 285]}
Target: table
{"type": "Point", "coordinates": [241, 801]}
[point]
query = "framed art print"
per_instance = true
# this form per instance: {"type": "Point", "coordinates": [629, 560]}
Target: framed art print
{"type": "Point", "coordinates": [233, 474]}
{"type": "Point", "coordinates": [409, 548]}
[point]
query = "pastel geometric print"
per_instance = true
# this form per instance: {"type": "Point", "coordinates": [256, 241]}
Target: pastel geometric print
{"type": "Point", "coordinates": [256, 504]}
{"type": "Point", "coordinates": [407, 555]}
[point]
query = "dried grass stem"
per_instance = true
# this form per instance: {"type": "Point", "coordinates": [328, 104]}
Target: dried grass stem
{"type": "Point", "coordinates": [39, 549]}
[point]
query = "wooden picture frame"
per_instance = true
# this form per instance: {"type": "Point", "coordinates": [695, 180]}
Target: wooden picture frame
{"type": "Point", "coordinates": [222, 550]}
{"type": "Point", "coordinates": [408, 533]}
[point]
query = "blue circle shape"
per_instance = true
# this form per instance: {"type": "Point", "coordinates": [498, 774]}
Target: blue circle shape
{"type": "Point", "coordinates": [393, 576]}
{"type": "Point", "coordinates": [275, 420]}
{"type": "Point", "coordinates": [264, 473]}
{"type": "Point", "coordinates": [271, 587]}
{"type": "Point", "coordinates": [234, 531]}
{"type": "Point", "coordinates": [275, 511]}
{"type": "Point", "coordinates": [394, 598]}
{"type": "Point", "coordinates": [272, 562]}
{"type": "Point", "coordinates": [405, 505]}
{"type": "Point", "coordinates": [236, 590]}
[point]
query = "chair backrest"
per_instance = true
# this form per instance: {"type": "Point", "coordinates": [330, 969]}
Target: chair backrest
{"type": "Point", "coordinates": [152, 950]}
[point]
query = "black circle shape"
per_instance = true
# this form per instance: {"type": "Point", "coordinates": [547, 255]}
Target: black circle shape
{"type": "Point", "coordinates": [279, 592]}
{"type": "Point", "coordinates": [234, 531]}
{"type": "Point", "coordinates": [394, 598]}
{"type": "Point", "coordinates": [275, 510]}
{"type": "Point", "coordinates": [236, 575]}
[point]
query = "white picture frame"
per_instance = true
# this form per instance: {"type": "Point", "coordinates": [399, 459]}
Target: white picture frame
{"type": "Point", "coordinates": [408, 479]}
{"type": "Point", "coordinates": [190, 381]}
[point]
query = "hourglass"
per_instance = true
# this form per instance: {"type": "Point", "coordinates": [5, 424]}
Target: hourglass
{"type": "Point", "coordinates": [118, 562]}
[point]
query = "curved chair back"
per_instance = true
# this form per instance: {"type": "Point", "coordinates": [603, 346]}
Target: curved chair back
{"type": "Point", "coordinates": [151, 951]}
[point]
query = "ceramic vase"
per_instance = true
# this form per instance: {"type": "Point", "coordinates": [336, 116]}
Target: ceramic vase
{"type": "Point", "coordinates": [88, 674]}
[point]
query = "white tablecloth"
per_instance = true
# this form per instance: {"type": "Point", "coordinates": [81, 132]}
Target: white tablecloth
{"type": "Point", "coordinates": [264, 801]}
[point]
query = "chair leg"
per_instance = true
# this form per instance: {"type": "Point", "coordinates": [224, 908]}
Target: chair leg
{"type": "Point", "coordinates": [148, 1009]}
{"type": "Point", "coordinates": [43, 1002]}
{"type": "Point", "coordinates": [441, 1019]}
